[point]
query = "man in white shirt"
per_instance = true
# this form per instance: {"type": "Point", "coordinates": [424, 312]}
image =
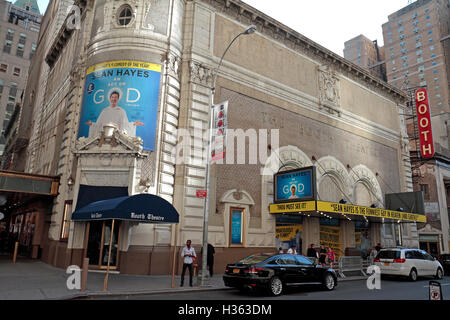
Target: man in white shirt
{"type": "Point", "coordinates": [188, 255]}
{"type": "Point", "coordinates": [292, 250]}
{"type": "Point", "coordinates": [115, 115]}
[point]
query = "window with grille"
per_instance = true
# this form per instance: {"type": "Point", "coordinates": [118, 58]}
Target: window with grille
{"type": "Point", "coordinates": [125, 15]}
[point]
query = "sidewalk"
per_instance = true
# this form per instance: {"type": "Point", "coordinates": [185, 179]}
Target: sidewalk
{"type": "Point", "coordinates": [35, 280]}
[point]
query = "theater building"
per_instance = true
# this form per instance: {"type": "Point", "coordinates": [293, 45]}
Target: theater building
{"type": "Point", "coordinates": [155, 60]}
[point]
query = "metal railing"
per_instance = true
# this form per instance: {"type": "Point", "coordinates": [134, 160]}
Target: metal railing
{"type": "Point", "coordinates": [351, 264]}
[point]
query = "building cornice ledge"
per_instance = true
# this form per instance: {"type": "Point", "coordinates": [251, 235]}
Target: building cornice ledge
{"type": "Point", "coordinates": [279, 32]}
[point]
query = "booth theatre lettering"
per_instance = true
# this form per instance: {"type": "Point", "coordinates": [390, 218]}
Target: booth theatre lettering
{"type": "Point", "coordinates": [143, 216]}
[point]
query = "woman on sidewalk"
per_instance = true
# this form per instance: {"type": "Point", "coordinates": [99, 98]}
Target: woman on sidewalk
{"type": "Point", "coordinates": [330, 256]}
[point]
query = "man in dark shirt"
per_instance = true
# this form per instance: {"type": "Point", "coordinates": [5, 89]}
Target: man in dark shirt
{"type": "Point", "coordinates": [312, 252]}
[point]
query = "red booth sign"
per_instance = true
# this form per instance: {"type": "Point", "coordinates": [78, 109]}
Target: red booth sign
{"type": "Point", "coordinates": [424, 121]}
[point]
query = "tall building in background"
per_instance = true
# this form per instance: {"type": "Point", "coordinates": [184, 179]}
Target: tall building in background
{"type": "Point", "coordinates": [366, 54]}
{"type": "Point", "coordinates": [19, 29]}
{"type": "Point", "coordinates": [417, 45]}
{"type": "Point", "coordinates": [416, 42]}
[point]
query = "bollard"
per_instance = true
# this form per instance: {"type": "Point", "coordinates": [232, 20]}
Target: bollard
{"type": "Point", "coordinates": [84, 274]}
{"type": "Point", "coordinates": [16, 248]}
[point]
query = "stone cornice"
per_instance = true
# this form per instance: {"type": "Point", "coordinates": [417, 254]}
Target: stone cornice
{"type": "Point", "coordinates": [270, 27]}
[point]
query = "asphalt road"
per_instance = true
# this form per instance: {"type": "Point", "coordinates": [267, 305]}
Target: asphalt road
{"type": "Point", "coordinates": [391, 289]}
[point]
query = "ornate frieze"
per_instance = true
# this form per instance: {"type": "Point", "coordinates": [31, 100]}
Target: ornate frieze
{"type": "Point", "coordinates": [200, 73]}
{"type": "Point", "coordinates": [329, 90]}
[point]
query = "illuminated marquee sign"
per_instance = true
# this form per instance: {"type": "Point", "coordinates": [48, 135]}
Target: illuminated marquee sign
{"type": "Point", "coordinates": [295, 185]}
{"type": "Point", "coordinates": [424, 120]}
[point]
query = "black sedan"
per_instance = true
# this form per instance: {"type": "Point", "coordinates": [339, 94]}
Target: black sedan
{"type": "Point", "coordinates": [444, 259]}
{"type": "Point", "coordinates": [272, 272]}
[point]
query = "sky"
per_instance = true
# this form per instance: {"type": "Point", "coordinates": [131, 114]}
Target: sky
{"type": "Point", "coordinates": [328, 22]}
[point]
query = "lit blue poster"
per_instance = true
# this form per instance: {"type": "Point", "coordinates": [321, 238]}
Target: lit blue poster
{"type": "Point", "coordinates": [124, 94]}
{"type": "Point", "coordinates": [236, 227]}
{"type": "Point", "coordinates": [295, 185]}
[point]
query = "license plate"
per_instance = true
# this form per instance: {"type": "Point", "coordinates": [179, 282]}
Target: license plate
{"type": "Point", "coordinates": [235, 270]}
{"type": "Point", "coordinates": [387, 264]}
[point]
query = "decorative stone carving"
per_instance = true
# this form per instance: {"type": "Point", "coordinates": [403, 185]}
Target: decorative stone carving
{"type": "Point", "coordinates": [329, 96]}
{"type": "Point", "coordinates": [173, 65]}
{"type": "Point", "coordinates": [146, 21]}
{"type": "Point", "coordinates": [200, 73]}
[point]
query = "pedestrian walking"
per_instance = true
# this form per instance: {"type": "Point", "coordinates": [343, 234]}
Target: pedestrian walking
{"type": "Point", "coordinates": [373, 253]}
{"type": "Point", "coordinates": [188, 255]}
{"type": "Point", "coordinates": [292, 250]}
{"type": "Point", "coordinates": [378, 247]}
{"type": "Point", "coordinates": [322, 255]}
{"type": "Point", "coordinates": [210, 258]}
{"type": "Point", "coordinates": [330, 256]}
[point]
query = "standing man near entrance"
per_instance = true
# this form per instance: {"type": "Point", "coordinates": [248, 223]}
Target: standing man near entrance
{"type": "Point", "coordinates": [188, 254]}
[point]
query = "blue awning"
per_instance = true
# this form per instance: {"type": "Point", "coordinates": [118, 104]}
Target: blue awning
{"type": "Point", "coordinates": [146, 208]}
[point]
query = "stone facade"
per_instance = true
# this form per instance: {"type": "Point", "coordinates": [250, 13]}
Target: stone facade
{"type": "Point", "coordinates": [329, 113]}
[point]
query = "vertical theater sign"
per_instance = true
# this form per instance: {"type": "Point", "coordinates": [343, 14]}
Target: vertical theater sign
{"type": "Point", "coordinates": [424, 121]}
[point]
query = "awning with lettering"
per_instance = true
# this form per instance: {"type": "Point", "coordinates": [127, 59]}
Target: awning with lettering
{"type": "Point", "coordinates": [345, 211]}
{"type": "Point", "coordinates": [146, 208]}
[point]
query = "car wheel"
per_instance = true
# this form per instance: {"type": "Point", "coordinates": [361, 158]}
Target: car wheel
{"type": "Point", "coordinates": [275, 286]}
{"type": "Point", "coordinates": [413, 275]}
{"type": "Point", "coordinates": [439, 274]}
{"type": "Point", "coordinates": [328, 282]}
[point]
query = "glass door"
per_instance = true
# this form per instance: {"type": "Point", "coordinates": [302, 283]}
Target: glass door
{"type": "Point", "coordinates": [98, 244]}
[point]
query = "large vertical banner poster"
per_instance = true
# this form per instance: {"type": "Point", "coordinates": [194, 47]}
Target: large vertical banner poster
{"type": "Point", "coordinates": [124, 94]}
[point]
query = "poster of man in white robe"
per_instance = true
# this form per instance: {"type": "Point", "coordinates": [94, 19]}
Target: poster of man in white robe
{"type": "Point", "coordinates": [122, 94]}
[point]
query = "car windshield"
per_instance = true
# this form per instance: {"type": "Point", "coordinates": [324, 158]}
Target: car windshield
{"type": "Point", "coordinates": [256, 258]}
{"type": "Point", "coordinates": [389, 254]}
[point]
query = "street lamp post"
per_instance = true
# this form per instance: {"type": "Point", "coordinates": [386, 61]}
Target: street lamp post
{"type": "Point", "coordinates": [249, 30]}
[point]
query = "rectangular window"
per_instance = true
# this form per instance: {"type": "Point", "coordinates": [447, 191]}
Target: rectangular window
{"type": "Point", "coordinates": [33, 49]}
{"type": "Point", "coordinates": [3, 67]}
{"type": "Point", "coordinates": [430, 39]}
{"type": "Point", "coordinates": [421, 68]}
{"type": "Point", "coordinates": [16, 72]}
{"type": "Point", "coordinates": [426, 194]}
{"type": "Point", "coordinates": [418, 44]}
{"type": "Point", "coordinates": [237, 227]}
{"type": "Point", "coordinates": [430, 31]}
{"type": "Point", "coordinates": [419, 60]}
{"type": "Point", "coordinates": [66, 220]}
{"type": "Point", "coordinates": [10, 35]}
{"type": "Point", "coordinates": [423, 84]}
{"type": "Point", "coordinates": [20, 49]}
{"type": "Point", "coordinates": [431, 48]}
{"type": "Point", "coordinates": [7, 46]}
{"type": "Point", "coordinates": [23, 38]}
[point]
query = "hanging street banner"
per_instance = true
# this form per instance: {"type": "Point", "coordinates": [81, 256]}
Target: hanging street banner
{"type": "Point", "coordinates": [424, 122]}
{"type": "Point", "coordinates": [124, 94]}
{"type": "Point", "coordinates": [295, 185]}
{"type": "Point", "coordinates": [219, 127]}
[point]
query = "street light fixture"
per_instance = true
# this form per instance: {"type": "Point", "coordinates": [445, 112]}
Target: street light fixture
{"type": "Point", "coordinates": [249, 30]}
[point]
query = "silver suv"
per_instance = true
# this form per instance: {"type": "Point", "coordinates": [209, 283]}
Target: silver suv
{"type": "Point", "coordinates": [411, 263]}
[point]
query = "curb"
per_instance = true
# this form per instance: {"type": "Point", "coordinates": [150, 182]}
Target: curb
{"type": "Point", "coordinates": [100, 294]}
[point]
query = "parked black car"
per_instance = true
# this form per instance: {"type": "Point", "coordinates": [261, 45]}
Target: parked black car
{"type": "Point", "coordinates": [444, 259]}
{"type": "Point", "coordinates": [272, 272]}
